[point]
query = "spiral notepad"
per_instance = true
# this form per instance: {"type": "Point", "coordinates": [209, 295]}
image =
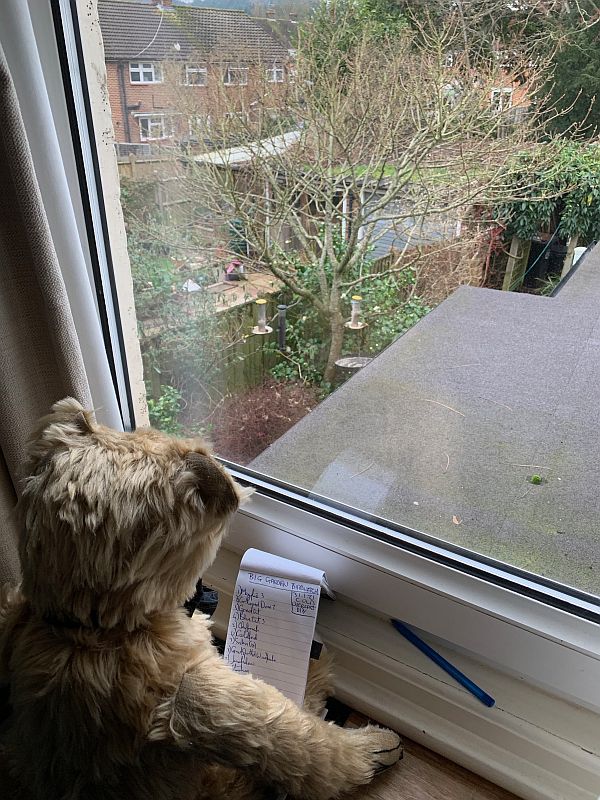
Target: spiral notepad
{"type": "Point", "coordinates": [272, 621]}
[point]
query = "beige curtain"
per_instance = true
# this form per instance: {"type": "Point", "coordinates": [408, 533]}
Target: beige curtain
{"type": "Point", "coordinates": [40, 357]}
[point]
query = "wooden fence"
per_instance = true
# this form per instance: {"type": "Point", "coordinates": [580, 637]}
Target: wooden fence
{"type": "Point", "coordinates": [247, 363]}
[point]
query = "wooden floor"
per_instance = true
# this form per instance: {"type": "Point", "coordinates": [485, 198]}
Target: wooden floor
{"type": "Point", "coordinates": [423, 775]}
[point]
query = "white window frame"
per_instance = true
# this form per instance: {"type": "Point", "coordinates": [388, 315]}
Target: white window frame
{"type": "Point", "coordinates": [153, 121]}
{"type": "Point", "coordinates": [514, 631]}
{"type": "Point", "coordinates": [197, 123]}
{"type": "Point", "coordinates": [240, 116]}
{"type": "Point", "coordinates": [193, 71]}
{"type": "Point", "coordinates": [501, 99]}
{"type": "Point", "coordinates": [501, 620]}
{"type": "Point", "coordinates": [142, 68]}
{"type": "Point", "coordinates": [275, 74]}
{"type": "Point", "coordinates": [231, 71]}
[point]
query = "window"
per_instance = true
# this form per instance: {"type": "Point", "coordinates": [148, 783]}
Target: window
{"type": "Point", "coordinates": [237, 116]}
{"type": "Point", "coordinates": [236, 76]}
{"type": "Point", "coordinates": [195, 75]}
{"type": "Point", "coordinates": [145, 72]}
{"type": "Point", "coordinates": [199, 126]}
{"type": "Point", "coordinates": [274, 74]}
{"type": "Point", "coordinates": [421, 481]}
{"type": "Point", "coordinates": [154, 126]}
{"type": "Point", "coordinates": [501, 99]}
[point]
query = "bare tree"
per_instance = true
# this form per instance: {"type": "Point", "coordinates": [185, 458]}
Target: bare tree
{"type": "Point", "coordinates": [367, 137]}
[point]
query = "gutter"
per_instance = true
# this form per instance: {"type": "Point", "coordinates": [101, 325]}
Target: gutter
{"type": "Point", "coordinates": [125, 107]}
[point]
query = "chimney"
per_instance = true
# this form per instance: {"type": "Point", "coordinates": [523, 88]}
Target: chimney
{"type": "Point", "coordinates": [162, 4]}
{"type": "Point", "coordinates": [293, 16]}
{"type": "Point", "coordinates": [270, 13]}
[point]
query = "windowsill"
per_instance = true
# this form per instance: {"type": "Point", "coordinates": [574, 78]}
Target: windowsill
{"type": "Point", "coordinates": [533, 743]}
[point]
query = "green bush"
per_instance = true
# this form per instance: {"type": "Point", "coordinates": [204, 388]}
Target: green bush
{"type": "Point", "coordinates": [164, 411]}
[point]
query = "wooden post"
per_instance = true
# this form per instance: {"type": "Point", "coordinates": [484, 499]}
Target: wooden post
{"type": "Point", "coordinates": [517, 264]}
{"type": "Point", "coordinates": [568, 262]}
{"type": "Point", "coordinates": [132, 165]}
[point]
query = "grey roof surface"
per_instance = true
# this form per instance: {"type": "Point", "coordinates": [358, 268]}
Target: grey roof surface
{"type": "Point", "coordinates": [132, 30]}
{"type": "Point", "coordinates": [449, 423]}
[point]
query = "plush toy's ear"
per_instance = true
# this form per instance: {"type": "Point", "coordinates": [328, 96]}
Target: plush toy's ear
{"type": "Point", "coordinates": [205, 477]}
{"type": "Point", "coordinates": [67, 421]}
{"type": "Point", "coordinates": [71, 411]}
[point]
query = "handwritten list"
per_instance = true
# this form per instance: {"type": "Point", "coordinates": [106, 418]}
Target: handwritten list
{"type": "Point", "coordinates": [272, 622]}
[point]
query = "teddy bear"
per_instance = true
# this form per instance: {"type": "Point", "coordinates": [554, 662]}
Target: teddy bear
{"type": "Point", "coordinates": [115, 693]}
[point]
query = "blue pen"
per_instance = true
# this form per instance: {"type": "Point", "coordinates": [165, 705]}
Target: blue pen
{"type": "Point", "coordinates": [445, 665]}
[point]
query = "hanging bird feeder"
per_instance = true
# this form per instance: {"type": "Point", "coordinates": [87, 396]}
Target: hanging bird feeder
{"type": "Point", "coordinates": [261, 328]}
{"type": "Point", "coordinates": [355, 323]}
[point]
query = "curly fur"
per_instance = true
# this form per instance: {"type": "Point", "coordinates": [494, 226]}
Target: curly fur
{"type": "Point", "coordinates": [115, 693]}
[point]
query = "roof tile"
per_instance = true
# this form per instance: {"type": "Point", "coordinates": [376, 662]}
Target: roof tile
{"type": "Point", "coordinates": [132, 29]}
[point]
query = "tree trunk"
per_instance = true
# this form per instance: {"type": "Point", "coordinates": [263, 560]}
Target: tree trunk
{"type": "Point", "coordinates": [336, 326]}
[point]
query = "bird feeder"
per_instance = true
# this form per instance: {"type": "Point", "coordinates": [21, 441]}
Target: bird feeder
{"type": "Point", "coordinates": [261, 328]}
{"type": "Point", "coordinates": [355, 324]}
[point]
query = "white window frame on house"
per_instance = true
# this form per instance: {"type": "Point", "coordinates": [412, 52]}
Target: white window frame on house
{"type": "Point", "coordinates": [240, 116]}
{"type": "Point", "coordinates": [537, 644]}
{"type": "Point", "coordinates": [197, 123]}
{"type": "Point", "coordinates": [195, 75]}
{"type": "Point", "coordinates": [230, 79]}
{"type": "Point", "coordinates": [158, 127]}
{"type": "Point", "coordinates": [501, 99]}
{"type": "Point", "coordinates": [275, 74]}
{"type": "Point", "coordinates": [145, 72]}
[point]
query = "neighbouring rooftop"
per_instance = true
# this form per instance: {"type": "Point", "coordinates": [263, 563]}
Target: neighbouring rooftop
{"type": "Point", "coordinates": [132, 30]}
{"type": "Point", "coordinates": [443, 431]}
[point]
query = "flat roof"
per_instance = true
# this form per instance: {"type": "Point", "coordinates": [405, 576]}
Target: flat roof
{"type": "Point", "coordinates": [443, 431]}
{"type": "Point", "coordinates": [242, 154]}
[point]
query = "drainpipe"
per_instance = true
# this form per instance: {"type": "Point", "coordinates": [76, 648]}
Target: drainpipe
{"type": "Point", "coordinates": [122, 87]}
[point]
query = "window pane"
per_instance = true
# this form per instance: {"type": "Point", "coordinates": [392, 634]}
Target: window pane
{"type": "Point", "coordinates": [347, 264]}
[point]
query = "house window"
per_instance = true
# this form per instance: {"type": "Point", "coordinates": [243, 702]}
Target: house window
{"type": "Point", "coordinates": [195, 75]}
{"type": "Point", "coordinates": [199, 126]}
{"type": "Point", "coordinates": [501, 99]}
{"type": "Point", "coordinates": [153, 126]}
{"type": "Point", "coordinates": [145, 72]}
{"type": "Point", "coordinates": [240, 116]}
{"type": "Point", "coordinates": [274, 74]}
{"type": "Point", "coordinates": [236, 76]}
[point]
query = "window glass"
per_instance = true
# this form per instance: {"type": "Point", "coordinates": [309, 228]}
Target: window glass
{"type": "Point", "coordinates": [236, 75]}
{"type": "Point", "coordinates": [195, 75]}
{"type": "Point", "coordinates": [153, 126]}
{"type": "Point", "coordinates": [349, 251]}
{"type": "Point", "coordinates": [275, 74]}
{"type": "Point", "coordinates": [145, 72]}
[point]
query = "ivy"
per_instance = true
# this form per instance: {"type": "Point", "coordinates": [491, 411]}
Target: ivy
{"type": "Point", "coordinates": [163, 412]}
{"type": "Point", "coordinates": [564, 194]}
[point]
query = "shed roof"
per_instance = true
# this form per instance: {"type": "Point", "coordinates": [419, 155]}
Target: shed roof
{"type": "Point", "coordinates": [443, 431]}
{"type": "Point", "coordinates": [135, 30]}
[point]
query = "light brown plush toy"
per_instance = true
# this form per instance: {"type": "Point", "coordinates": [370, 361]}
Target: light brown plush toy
{"type": "Point", "coordinates": [115, 693]}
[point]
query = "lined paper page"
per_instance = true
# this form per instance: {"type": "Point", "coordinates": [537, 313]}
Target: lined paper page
{"type": "Point", "coordinates": [272, 623]}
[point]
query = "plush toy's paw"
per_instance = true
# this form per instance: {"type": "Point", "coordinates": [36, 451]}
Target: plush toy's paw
{"type": "Point", "coordinates": [388, 748]}
{"type": "Point", "coordinates": [380, 749]}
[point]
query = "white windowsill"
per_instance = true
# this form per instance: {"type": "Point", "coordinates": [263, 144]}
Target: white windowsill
{"type": "Point", "coordinates": [532, 743]}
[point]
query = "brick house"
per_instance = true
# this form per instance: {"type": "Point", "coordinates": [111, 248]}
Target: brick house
{"type": "Point", "coordinates": [166, 64]}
